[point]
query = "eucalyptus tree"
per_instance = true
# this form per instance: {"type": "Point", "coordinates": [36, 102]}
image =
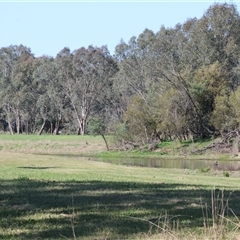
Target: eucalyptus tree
{"type": "Point", "coordinates": [16, 68]}
{"type": "Point", "coordinates": [85, 76]}
{"type": "Point", "coordinates": [174, 65]}
{"type": "Point", "coordinates": [189, 55]}
{"type": "Point", "coordinates": [144, 70]}
{"type": "Point", "coordinates": [51, 100]}
{"type": "Point", "coordinates": [6, 63]}
{"type": "Point", "coordinates": [196, 58]}
{"type": "Point", "coordinates": [134, 60]}
{"type": "Point", "coordinates": [133, 84]}
{"type": "Point", "coordinates": [42, 75]}
{"type": "Point", "coordinates": [222, 25]}
{"type": "Point", "coordinates": [226, 118]}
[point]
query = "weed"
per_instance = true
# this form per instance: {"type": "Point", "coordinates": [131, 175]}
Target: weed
{"type": "Point", "coordinates": [22, 178]}
{"type": "Point", "coordinates": [163, 224]}
{"type": "Point", "coordinates": [72, 222]}
{"type": "Point", "coordinates": [164, 144]}
{"type": "Point", "coordinates": [163, 153]}
{"type": "Point", "coordinates": [226, 174]}
{"type": "Point", "coordinates": [215, 221]}
{"type": "Point", "coordinates": [205, 170]}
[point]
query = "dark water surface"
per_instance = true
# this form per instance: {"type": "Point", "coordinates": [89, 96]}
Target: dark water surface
{"type": "Point", "coordinates": [174, 163]}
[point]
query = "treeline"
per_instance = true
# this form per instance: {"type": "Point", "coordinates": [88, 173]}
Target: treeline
{"type": "Point", "coordinates": [54, 94]}
{"type": "Point", "coordinates": [178, 83]}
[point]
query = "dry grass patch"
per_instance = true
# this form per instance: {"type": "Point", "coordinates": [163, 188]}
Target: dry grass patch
{"type": "Point", "coordinates": [48, 144]}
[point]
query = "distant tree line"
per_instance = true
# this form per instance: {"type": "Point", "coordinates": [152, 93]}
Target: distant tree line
{"type": "Point", "coordinates": [179, 83]}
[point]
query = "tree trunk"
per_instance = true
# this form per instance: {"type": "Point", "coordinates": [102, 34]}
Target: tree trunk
{"type": "Point", "coordinates": [81, 120]}
{"type": "Point", "coordinates": [18, 125]}
{"type": "Point", "coordinates": [51, 129]}
{"type": "Point", "coordinates": [10, 127]}
{"type": "Point", "coordinates": [83, 124]}
{"type": "Point", "coordinates": [7, 110]}
{"type": "Point", "coordinates": [42, 127]}
{"type": "Point", "coordinates": [105, 141]}
{"type": "Point", "coordinates": [26, 127]}
{"type": "Point", "coordinates": [55, 132]}
{"type": "Point", "coordinates": [57, 124]}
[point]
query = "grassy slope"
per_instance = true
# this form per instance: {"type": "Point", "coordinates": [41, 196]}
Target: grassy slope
{"type": "Point", "coordinates": [51, 144]}
{"type": "Point", "coordinates": [41, 194]}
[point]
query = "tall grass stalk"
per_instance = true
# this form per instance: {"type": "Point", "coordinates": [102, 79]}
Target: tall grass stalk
{"type": "Point", "coordinates": [72, 222]}
{"type": "Point", "coordinates": [215, 219]}
{"type": "Point", "coordinates": [163, 225]}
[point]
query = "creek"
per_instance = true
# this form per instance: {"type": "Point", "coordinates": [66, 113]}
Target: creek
{"type": "Point", "coordinates": [226, 165]}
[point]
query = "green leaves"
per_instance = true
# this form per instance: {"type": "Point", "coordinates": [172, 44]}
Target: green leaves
{"type": "Point", "coordinates": [226, 115]}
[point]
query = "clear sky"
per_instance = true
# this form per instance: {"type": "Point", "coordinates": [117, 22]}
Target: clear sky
{"type": "Point", "coordinates": [48, 26]}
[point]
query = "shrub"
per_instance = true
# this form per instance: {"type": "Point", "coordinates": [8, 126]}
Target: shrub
{"type": "Point", "coordinates": [204, 170]}
{"type": "Point", "coordinates": [226, 174]}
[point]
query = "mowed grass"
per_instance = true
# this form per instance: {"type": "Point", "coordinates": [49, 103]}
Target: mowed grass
{"type": "Point", "coordinates": [46, 194]}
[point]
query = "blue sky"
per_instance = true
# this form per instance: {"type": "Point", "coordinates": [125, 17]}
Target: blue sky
{"type": "Point", "coordinates": [48, 26]}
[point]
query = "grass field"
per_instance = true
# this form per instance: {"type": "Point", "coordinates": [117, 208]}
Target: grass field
{"type": "Point", "coordinates": [50, 189]}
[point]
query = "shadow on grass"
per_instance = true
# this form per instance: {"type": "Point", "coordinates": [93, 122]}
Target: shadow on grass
{"type": "Point", "coordinates": [39, 168]}
{"type": "Point", "coordinates": [31, 209]}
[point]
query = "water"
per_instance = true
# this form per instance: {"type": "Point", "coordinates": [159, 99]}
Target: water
{"type": "Point", "coordinates": [175, 163]}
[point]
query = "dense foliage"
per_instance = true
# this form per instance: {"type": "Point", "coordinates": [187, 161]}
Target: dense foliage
{"type": "Point", "coordinates": [181, 82]}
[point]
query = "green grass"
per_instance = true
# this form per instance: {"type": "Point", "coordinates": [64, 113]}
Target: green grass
{"type": "Point", "coordinates": [52, 144]}
{"type": "Point", "coordinates": [35, 137]}
{"type": "Point", "coordinates": [45, 194]}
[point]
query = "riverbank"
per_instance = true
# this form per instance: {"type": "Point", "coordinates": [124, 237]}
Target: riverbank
{"type": "Point", "coordinates": [95, 146]}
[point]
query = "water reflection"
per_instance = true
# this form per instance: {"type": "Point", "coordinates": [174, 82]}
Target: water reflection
{"type": "Point", "coordinates": [175, 163]}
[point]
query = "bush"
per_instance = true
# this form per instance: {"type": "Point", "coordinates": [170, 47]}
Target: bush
{"type": "Point", "coordinates": [204, 170]}
{"type": "Point", "coordinates": [226, 174]}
